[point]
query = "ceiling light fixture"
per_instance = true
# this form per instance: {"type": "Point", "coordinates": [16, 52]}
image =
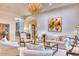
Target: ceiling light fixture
{"type": "Point", "coordinates": [35, 7]}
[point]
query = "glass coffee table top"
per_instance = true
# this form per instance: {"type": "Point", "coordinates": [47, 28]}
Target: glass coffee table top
{"type": "Point", "coordinates": [53, 46]}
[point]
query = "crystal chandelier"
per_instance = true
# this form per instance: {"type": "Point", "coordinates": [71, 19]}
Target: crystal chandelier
{"type": "Point", "coordinates": [34, 8]}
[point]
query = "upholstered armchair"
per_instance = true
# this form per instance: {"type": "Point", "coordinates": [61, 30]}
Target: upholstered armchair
{"type": "Point", "coordinates": [24, 38]}
{"type": "Point", "coordinates": [6, 50]}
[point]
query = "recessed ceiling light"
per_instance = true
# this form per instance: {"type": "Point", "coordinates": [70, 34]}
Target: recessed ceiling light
{"type": "Point", "coordinates": [50, 4]}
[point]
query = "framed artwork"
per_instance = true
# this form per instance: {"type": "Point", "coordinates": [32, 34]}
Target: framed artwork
{"type": "Point", "coordinates": [4, 28]}
{"type": "Point", "coordinates": [55, 24]}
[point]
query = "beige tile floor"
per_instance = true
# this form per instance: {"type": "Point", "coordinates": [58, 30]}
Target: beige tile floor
{"type": "Point", "coordinates": [61, 52]}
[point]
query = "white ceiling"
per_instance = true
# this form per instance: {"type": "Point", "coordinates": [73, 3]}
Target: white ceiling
{"type": "Point", "coordinates": [20, 9]}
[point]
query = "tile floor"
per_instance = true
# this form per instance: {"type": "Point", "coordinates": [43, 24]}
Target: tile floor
{"type": "Point", "coordinates": [61, 52]}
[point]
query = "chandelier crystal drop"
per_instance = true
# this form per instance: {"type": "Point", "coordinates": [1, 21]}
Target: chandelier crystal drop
{"type": "Point", "coordinates": [34, 7]}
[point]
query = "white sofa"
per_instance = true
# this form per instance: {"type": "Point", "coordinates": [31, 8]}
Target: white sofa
{"type": "Point", "coordinates": [29, 52]}
{"type": "Point", "coordinates": [35, 50]}
{"type": "Point", "coordinates": [60, 39]}
{"type": "Point", "coordinates": [9, 49]}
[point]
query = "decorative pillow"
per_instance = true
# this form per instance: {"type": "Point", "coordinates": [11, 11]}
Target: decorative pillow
{"type": "Point", "coordinates": [68, 42]}
{"type": "Point", "coordinates": [61, 38]}
{"type": "Point", "coordinates": [51, 37]}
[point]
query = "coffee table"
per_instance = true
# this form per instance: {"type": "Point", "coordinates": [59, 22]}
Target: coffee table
{"type": "Point", "coordinates": [52, 45]}
{"type": "Point", "coordinates": [72, 51]}
{"type": "Point", "coordinates": [38, 49]}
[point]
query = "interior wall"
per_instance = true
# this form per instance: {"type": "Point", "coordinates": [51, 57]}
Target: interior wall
{"type": "Point", "coordinates": [11, 28]}
{"type": "Point", "coordinates": [69, 15]}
